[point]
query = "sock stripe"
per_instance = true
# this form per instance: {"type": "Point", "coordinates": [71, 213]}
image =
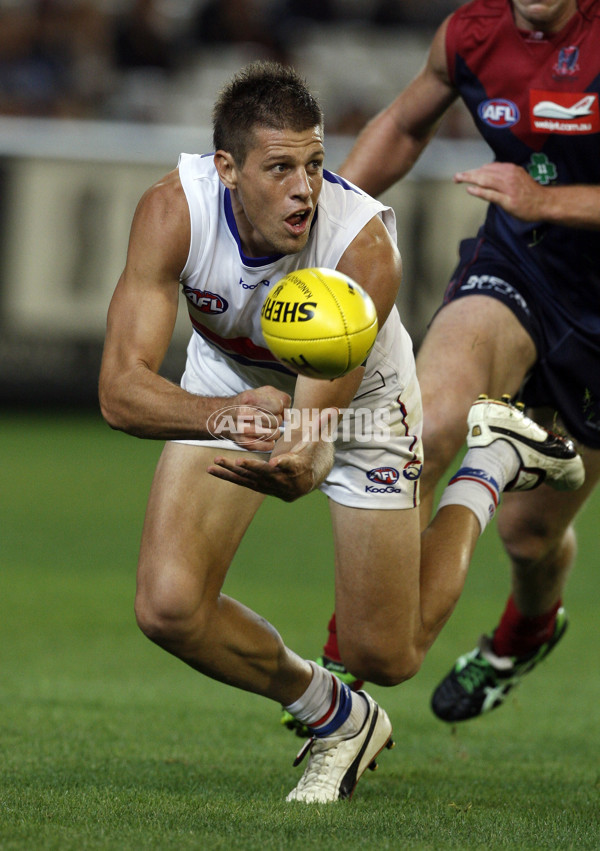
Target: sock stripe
{"type": "Point", "coordinates": [341, 713]}
{"type": "Point", "coordinates": [332, 706]}
{"type": "Point", "coordinates": [472, 474]}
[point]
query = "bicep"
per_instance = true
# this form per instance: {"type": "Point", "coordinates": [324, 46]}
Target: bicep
{"type": "Point", "coordinates": [417, 111]}
{"type": "Point", "coordinates": [140, 323]}
{"type": "Point", "coordinates": [143, 309]}
{"type": "Point", "coordinates": [372, 260]}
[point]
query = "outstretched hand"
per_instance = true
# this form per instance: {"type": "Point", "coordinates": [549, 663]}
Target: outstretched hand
{"type": "Point", "coordinates": [509, 186]}
{"type": "Point", "coordinates": [288, 475]}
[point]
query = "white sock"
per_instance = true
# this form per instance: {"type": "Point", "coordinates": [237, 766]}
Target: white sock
{"type": "Point", "coordinates": [481, 479]}
{"type": "Point", "coordinates": [328, 706]}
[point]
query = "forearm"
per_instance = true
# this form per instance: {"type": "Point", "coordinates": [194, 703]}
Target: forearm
{"type": "Point", "coordinates": [515, 190]}
{"type": "Point", "coordinates": [147, 405]}
{"type": "Point", "coordinates": [382, 154]}
{"type": "Point", "coordinates": [572, 206]}
{"type": "Point", "coordinates": [303, 422]}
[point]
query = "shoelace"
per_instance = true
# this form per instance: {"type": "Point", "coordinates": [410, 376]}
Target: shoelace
{"type": "Point", "coordinates": [320, 757]}
{"type": "Point", "coordinates": [475, 673]}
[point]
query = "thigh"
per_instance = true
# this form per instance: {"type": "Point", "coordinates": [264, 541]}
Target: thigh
{"type": "Point", "coordinates": [193, 526]}
{"type": "Point", "coordinates": [379, 455]}
{"type": "Point", "coordinates": [377, 570]}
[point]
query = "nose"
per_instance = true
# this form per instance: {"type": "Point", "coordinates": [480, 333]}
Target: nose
{"type": "Point", "coordinates": [302, 186]}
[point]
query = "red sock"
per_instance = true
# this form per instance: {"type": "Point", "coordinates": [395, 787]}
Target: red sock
{"type": "Point", "coordinates": [331, 649]}
{"type": "Point", "coordinates": [518, 635]}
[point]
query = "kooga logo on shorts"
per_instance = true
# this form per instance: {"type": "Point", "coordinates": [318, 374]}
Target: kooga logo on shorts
{"type": "Point", "coordinates": [385, 478]}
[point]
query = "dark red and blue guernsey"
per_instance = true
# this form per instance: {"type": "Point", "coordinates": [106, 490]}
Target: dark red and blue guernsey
{"type": "Point", "coordinates": [535, 99]}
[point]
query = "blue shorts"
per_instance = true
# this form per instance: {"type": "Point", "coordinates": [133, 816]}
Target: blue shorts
{"type": "Point", "coordinates": [566, 375]}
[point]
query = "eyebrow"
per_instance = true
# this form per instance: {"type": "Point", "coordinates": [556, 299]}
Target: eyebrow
{"type": "Point", "coordinates": [287, 157]}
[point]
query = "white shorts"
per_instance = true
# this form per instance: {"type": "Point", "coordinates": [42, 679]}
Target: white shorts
{"type": "Point", "coordinates": [378, 450]}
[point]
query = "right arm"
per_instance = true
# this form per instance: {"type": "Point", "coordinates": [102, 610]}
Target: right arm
{"type": "Point", "coordinates": [133, 397]}
{"type": "Point", "coordinates": [304, 455]}
{"type": "Point", "coordinates": [391, 143]}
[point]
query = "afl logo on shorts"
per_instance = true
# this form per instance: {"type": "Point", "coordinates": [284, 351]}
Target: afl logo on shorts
{"type": "Point", "coordinates": [384, 475]}
{"type": "Point", "coordinates": [205, 301]}
{"type": "Point", "coordinates": [498, 112]}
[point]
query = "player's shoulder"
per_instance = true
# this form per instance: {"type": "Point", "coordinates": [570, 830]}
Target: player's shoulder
{"type": "Point", "coordinates": [342, 202]}
{"type": "Point", "coordinates": [161, 213]}
{"type": "Point", "coordinates": [589, 8]}
{"type": "Point", "coordinates": [473, 25]}
{"type": "Point", "coordinates": [165, 194]}
{"type": "Point", "coordinates": [337, 190]}
{"type": "Point", "coordinates": [197, 165]}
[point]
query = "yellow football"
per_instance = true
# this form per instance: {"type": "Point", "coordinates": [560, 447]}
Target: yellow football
{"type": "Point", "coordinates": [319, 322]}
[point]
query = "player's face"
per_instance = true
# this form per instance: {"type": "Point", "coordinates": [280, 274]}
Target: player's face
{"type": "Point", "coordinates": [275, 193]}
{"type": "Point", "coordinates": [543, 15]}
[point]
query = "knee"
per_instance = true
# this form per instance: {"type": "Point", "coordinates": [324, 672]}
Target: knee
{"type": "Point", "coordinates": [530, 540]}
{"type": "Point", "coordinates": [167, 619]}
{"type": "Point", "coordinates": [382, 666]}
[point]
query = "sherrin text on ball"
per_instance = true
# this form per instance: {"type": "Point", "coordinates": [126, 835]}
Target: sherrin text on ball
{"type": "Point", "coordinates": [319, 322]}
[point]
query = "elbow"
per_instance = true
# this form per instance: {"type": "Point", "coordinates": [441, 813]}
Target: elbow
{"type": "Point", "coordinates": [110, 413]}
{"type": "Point", "coordinates": [112, 407]}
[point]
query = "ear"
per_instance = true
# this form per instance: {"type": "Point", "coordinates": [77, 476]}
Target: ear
{"type": "Point", "coordinates": [226, 169]}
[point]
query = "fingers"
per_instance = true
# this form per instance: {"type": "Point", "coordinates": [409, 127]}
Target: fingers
{"type": "Point", "coordinates": [261, 476]}
{"type": "Point", "coordinates": [508, 185]}
{"type": "Point", "coordinates": [244, 472]}
{"type": "Point", "coordinates": [290, 474]}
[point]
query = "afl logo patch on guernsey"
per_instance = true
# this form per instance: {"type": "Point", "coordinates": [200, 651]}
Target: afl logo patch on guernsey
{"type": "Point", "coordinates": [205, 301]}
{"type": "Point", "coordinates": [384, 475]}
{"type": "Point", "coordinates": [498, 112]}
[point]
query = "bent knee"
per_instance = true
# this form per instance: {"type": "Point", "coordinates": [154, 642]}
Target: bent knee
{"type": "Point", "coordinates": [384, 668]}
{"type": "Point", "coordinates": [168, 621]}
{"type": "Point", "coordinates": [530, 540]}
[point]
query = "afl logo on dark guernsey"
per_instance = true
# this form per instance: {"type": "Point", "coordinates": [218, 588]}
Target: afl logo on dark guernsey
{"type": "Point", "coordinates": [498, 112]}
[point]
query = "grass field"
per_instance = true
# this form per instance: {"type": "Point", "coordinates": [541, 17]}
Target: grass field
{"type": "Point", "coordinates": [108, 743]}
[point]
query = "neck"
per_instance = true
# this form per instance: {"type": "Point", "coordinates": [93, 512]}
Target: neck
{"type": "Point", "coordinates": [544, 18]}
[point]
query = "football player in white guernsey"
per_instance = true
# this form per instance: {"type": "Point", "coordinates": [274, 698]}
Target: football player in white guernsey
{"type": "Point", "coordinates": [226, 227]}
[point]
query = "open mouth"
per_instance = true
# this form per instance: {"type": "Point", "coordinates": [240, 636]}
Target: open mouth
{"type": "Point", "coordinates": [297, 222]}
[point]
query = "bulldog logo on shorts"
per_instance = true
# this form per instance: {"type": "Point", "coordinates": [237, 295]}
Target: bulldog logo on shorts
{"type": "Point", "coordinates": [412, 471]}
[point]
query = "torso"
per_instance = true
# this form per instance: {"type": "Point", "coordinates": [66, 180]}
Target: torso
{"type": "Point", "coordinates": [225, 290]}
{"type": "Point", "coordinates": [535, 100]}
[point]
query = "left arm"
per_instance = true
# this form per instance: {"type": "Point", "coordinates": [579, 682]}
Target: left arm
{"type": "Point", "coordinates": [304, 454]}
{"type": "Point", "coordinates": [513, 189]}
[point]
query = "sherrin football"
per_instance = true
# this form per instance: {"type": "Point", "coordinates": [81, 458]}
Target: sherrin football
{"type": "Point", "coordinates": [319, 322]}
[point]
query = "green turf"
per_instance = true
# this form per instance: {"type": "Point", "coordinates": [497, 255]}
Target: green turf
{"type": "Point", "coordinates": [108, 743]}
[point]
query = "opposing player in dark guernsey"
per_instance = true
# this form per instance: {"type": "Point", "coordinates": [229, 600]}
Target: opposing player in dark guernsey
{"type": "Point", "coordinates": [522, 311]}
